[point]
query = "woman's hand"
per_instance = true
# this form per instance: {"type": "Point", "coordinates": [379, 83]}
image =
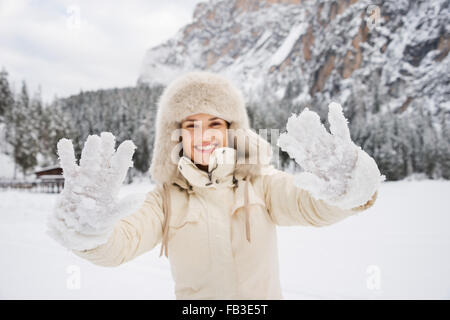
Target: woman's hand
{"type": "Point", "coordinates": [336, 170]}
{"type": "Point", "coordinates": [88, 207]}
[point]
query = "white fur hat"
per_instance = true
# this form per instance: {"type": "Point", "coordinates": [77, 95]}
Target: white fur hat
{"type": "Point", "coordinates": [204, 92]}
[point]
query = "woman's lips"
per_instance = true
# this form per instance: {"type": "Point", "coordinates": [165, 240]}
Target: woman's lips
{"type": "Point", "coordinates": [206, 149]}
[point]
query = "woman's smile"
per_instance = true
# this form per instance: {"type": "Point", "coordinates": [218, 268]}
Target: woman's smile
{"type": "Point", "coordinates": [206, 148]}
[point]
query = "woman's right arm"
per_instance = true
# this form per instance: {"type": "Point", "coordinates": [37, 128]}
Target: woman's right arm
{"type": "Point", "coordinates": [132, 236]}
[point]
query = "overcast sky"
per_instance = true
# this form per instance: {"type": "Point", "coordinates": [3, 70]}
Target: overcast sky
{"type": "Point", "coordinates": [65, 46]}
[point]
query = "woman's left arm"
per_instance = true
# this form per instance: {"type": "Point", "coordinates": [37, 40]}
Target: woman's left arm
{"type": "Point", "coordinates": [289, 205]}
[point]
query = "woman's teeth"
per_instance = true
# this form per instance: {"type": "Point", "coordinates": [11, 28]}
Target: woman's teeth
{"type": "Point", "coordinates": [206, 148]}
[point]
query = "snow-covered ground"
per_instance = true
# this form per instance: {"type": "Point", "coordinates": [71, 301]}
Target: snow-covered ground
{"type": "Point", "coordinates": [400, 248]}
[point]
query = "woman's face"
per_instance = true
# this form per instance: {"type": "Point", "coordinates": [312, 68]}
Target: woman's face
{"type": "Point", "coordinates": [201, 134]}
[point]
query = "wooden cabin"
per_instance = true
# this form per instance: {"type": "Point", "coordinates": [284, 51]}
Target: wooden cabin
{"type": "Point", "coordinates": [49, 179]}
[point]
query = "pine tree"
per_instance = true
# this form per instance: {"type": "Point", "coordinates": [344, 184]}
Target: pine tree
{"type": "Point", "coordinates": [6, 96]}
{"type": "Point", "coordinates": [21, 131]}
{"type": "Point", "coordinates": [443, 157]}
{"type": "Point", "coordinates": [141, 156]}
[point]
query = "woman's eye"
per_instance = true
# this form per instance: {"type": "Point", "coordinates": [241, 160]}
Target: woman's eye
{"type": "Point", "coordinates": [216, 124]}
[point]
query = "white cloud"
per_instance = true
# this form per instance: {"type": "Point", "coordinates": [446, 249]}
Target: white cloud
{"type": "Point", "coordinates": [48, 43]}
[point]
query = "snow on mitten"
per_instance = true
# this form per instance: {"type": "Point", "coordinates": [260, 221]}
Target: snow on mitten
{"type": "Point", "coordinates": [88, 207]}
{"type": "Point", "coordinates": [335, 169]}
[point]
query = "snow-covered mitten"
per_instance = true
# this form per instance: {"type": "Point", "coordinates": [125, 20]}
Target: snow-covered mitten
{"type": "Point", "coordinates": [335, 169]}
{"type": "Point", "coordinates": [88, 207]}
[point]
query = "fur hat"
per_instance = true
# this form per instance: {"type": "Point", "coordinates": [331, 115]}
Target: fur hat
{"type": "Point", "coordinates": [204, 92]}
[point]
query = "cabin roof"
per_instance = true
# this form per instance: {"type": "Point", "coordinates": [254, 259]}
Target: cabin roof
{"type": "Point", "coordinates": [48, 168]}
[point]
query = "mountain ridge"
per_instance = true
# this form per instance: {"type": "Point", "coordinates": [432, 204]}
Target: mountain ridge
{"type": "Point", "coordinates": [326, 50]}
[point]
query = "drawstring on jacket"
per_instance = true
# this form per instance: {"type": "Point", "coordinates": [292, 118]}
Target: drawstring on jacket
{"type": "Point", "coordinates": [166, 210]}
{"type": "Point", "coordinates": [247, 209]}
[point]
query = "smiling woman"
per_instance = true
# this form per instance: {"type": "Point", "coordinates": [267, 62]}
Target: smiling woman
{"type": "Point", "coordinates": [201, 134]}
{"type": "Point", "coordinates": [217, 228]}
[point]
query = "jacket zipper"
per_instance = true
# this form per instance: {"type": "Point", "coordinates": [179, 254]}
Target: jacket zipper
{"type": "Point", "coordinates": [210, 177]}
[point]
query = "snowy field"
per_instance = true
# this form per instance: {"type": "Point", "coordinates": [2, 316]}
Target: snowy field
{"type": "Point", "coordinates": [398, 249]}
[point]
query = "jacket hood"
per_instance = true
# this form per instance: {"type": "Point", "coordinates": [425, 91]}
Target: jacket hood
{"type": "Point", "coordinates": [204, 92]}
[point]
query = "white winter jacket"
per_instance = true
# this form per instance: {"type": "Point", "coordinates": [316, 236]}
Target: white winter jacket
{"type": "Point", "coordinates": [216, 248]}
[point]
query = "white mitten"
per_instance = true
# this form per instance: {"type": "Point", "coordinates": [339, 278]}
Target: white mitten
{"type": "Point", "coordinates": [335, 169]}
{"type": "Point", "coordinates": [88, 207]}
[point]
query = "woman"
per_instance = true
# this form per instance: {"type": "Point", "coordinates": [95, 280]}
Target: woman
{"type": "Point", "coordinates": [217, 201]}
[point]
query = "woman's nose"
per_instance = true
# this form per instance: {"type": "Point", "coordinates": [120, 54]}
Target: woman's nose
{"type": "Point", "coordinates": [212, 135]}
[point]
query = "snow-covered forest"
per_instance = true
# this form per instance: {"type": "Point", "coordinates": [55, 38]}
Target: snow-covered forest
{"type": "Point", "coordinates": [402, 144]}
{"type": "Point", "coordinates": [31, 129]}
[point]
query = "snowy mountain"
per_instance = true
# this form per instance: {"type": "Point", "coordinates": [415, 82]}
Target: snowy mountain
{"type": "Point", "coordinates": [371, 55]}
